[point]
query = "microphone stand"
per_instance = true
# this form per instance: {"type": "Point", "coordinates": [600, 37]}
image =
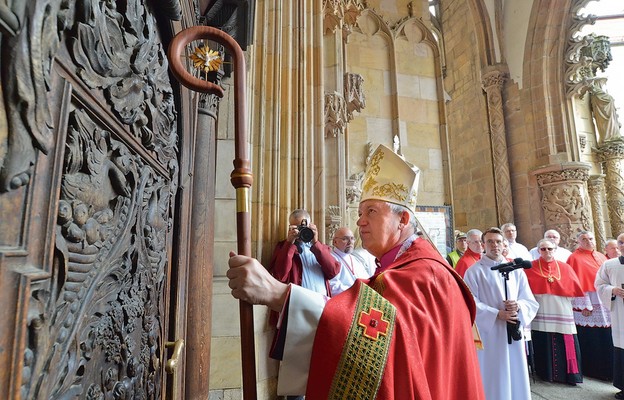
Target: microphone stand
{"type": "Point", "coordinates": [504, 270]}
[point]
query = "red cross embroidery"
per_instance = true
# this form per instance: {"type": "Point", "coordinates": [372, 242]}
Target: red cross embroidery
{"type": "Point", "coordinates": [373, 324]}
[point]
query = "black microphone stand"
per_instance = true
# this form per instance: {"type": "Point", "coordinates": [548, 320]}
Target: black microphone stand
{"type": "Point", "coordinates": [504, 270]}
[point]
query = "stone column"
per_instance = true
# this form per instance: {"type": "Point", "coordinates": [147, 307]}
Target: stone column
{"type": "Point", "coordinates": [565, 201]}
{"type": "Point", "coordinates": [492, 84]}
{"type": "Point", "coordinates": [595, 187]}
{"type": "Point", "coordinates": [335, 119]}
{"type": "Point", "coordinates": [611, 154]}
{"type": "Point", "coordinates": [341, 101]}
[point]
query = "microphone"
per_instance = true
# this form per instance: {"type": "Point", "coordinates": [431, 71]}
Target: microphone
{"type": "Point", "coordinates": [511, 265]}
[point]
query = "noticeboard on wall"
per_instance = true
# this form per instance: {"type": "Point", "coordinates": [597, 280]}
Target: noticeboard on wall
{"type": "Point", "coordinates": [437, 222]}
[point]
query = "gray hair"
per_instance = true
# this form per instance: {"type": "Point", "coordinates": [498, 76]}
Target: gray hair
{"type": "Point", "coordinates": [300, 212]}
{"type": "Point", "coordinates": [399, 209]}
{"type": "Point", "coordinates": [474, 232]}
{"type": "Point", "coordinates": [539, 242]}
{"type": "Point", "coordinates": [507, 225]}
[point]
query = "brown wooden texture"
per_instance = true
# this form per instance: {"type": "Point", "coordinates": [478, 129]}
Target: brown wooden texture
{"type": "Point", "coordinates": [89, 171]}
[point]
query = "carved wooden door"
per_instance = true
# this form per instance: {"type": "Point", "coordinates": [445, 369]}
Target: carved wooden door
{"type": "Point", "coordinates": [89, 172]}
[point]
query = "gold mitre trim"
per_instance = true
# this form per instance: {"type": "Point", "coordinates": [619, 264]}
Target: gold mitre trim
{"type": "Point", "coordinates": [390, 178]}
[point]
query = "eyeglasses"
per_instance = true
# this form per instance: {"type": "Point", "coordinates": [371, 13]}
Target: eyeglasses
{"type": "Point", "coordinates": [347, 238]}
{"type": "Point", "coordinates": [546, 249]}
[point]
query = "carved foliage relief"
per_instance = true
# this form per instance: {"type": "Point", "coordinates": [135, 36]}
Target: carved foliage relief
{"type": "Point", "coordinates": [116, 49]}
{"type": "Point", "coordinates": [565, 202]}
{"type": "Point", "coordinates": [96, 327]}
{"type": "Point", "coordinates": [335, 114]}
{"type": "Point", "coordinates": [99, 320]}
{"type": "Point", "coordinates": [354, 93]}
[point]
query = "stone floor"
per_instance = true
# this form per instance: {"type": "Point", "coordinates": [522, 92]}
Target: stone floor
{"type": "Point", "coordinates": [590, 389]}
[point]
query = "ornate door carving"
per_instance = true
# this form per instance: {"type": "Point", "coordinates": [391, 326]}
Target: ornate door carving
{"type": "Point", "coordinates": [89, 173]}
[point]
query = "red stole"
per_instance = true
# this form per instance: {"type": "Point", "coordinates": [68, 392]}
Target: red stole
{"type": "Point", "coordinates": [586, 263]}
{"type": "Point", "coordinates": [563, 280]}
{"type": "Point", "coordinates": [431, 331]}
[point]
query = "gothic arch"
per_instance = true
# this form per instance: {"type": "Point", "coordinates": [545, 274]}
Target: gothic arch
{"type": "Point", "coordinates": [544, 78]}
{"type": "Point", "coordinates": [483, 30]}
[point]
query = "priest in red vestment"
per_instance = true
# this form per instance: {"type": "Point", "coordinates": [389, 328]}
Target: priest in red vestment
{"type": "Point", "coordinates": [405, 333]}
{"type": "Point", "coordinates": [592, 318]}
{"type": "Point", "coordinates": [556, 348]}
{"type": "Point", "coordinates": [472, 254]}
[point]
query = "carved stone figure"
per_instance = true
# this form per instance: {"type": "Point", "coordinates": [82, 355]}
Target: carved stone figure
{"type": "Point", "coordinates": [605, 114]}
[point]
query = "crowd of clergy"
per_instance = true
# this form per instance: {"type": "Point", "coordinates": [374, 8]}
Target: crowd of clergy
{"type": "Point", "coordinates": [545, 311]}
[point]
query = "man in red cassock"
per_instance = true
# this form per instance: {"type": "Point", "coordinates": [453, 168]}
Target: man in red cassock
{"type": "Point", "coordinates": [556, 348]}
{"type": "Point", "coordinates": [405, 333]}
{"type": "Point", "coordinates": [592, 318]}
{"type": "Point", "coordinates": [472, 254]}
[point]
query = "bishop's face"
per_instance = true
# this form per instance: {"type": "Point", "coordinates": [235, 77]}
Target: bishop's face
{"type": "Point", "coordinates": [380, 228]}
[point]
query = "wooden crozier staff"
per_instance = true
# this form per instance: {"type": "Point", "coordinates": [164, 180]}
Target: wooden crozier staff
{"type": "Point", "coordinates": [241, 177]}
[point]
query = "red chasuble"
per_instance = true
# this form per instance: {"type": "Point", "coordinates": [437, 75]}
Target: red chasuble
{"type": "Point", "coordinates": [586, 263]}
{"type": "Point", "coordinates": [554, 277]}
{"type": "Point", "coordinates": [404, 334]}
{"type": "Point", "coordinates": [466, 261]}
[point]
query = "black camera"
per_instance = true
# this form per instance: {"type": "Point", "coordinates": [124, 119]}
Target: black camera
{"type": "Point", "coordinates": [305, 234]}
{"type": "Point", "coordinates": [513, 331]}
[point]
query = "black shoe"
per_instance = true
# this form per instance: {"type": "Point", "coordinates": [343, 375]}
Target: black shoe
{"type": "Point", "coordinates": [619, 395]}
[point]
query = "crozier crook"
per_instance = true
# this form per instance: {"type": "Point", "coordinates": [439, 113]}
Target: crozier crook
{"type": "Point", "coordinates": [241, 177]}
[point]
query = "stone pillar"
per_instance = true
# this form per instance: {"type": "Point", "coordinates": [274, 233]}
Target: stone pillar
{"type": "Point", "coordinates": [611, 154]}
{"type": "Point", "coordinates": [335, 119]}
{"type": "Point", "coordinates": [595, 187]}
{"type": "Point", "coordinates": [492, 84]}
{"type": "Point", "coordinates": [341, 100]}
{"type": "Point", "coordinates": [565, 201]}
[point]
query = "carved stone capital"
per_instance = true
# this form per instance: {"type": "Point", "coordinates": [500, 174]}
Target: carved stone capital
{"type": "Point", "coordinates": [611, 149]}
{"type": "Point", "coordinates": [494, 79]}
{"type": "Point", "coordinates": [595, 183]}
{"type": "Point", "coordinates": [209, 104]}
{"type": "Point", "coordinates": [335, 114]}
{"type": "Point", "coordinates": [562, 173]}
{"type": "Point", "coordinates": [564, 199]}
{"type": "Point", "coordinates": [354, 93]}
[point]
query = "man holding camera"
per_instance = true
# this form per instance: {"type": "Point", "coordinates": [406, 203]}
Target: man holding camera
{"type": "Point", "coordinates": [505, 303]}
{"type": "Point", "coordinates": [302, 259]}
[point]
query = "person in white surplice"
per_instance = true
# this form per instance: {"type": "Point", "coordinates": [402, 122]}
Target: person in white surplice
{"type": "Point", "coordinates": [610, 288]}
{"type": "Point", "coordinates": [352, 266]}
{"type": "Point", "coordinates": [499, 302]}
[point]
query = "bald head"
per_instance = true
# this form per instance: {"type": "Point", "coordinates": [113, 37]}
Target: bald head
{"type": "Point", "coordinates": [553, 236]}
{"type": "Point", "coordinates": [344, 240]}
